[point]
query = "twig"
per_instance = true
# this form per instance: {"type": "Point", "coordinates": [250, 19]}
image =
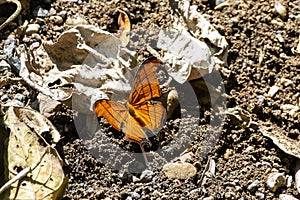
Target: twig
{"type": "Point", "coordinates": [14, 15]}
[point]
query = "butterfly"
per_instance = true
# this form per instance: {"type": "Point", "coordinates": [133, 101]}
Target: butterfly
{"type": "Point", "coordinates": [142, 116]}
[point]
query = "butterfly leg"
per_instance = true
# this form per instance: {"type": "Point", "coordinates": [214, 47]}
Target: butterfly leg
{"type": "Point", "coordinates": [142, 145]}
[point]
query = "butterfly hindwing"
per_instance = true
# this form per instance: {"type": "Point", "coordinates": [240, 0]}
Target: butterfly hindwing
{"type": "Point", "coordinates": [115, 113]}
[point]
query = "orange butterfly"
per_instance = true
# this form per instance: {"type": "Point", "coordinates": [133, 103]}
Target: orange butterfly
{"type": "Point", "coordinates": [142, 116]}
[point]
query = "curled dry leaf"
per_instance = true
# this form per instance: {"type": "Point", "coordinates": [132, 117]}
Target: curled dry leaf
{"type": "Point", "coordinates": [33, 169]}
{"type": "Point", "coordinates": [277, 135]}
{"type": "Point", "coordinates": [83, 58]}
{"type": "Point", "coordinates": [124, 27]}
{"type": "Point", "coordinates": [189, 57]}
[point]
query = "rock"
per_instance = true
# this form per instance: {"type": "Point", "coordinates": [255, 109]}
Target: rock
{"type": "Point", "coordinates": [40, 12]}
{"type": "Point", "coordinates": [219, 2]}
{"type": "Point", "coordinates": [36, 37]}
{"type": "Point", "coordinates": [146, 176]}
{"type": "Point", "coordinates": [289, 108]}
{"type": "Point", "coordinates": [135, 195]}
{"type": "Point", "coordinates": [76, 21]}
{"type": "Point", "coordinates": [19, 97]}
{"type": "Point", "coordinates": [52, 12]}
{"type": "Point", "coordinates": [253, 186]}
{"type": "Point", "coordinates": [57, 19]}
{"type": "Point", "coordinates": [280, 9]}
{"type": "Point", "coordinates": [4, 67]}
{"type": "Point", "coordinates": [260, 99]}
{"type": "Point", "coordinates": [186, 157]}
{"type": "Point", "coordinates": [289, 181]}
{"type": "Point", "coordinates": [179, 170]}
{"type": "Point", "coordinates": [260, 195]}
{"type": "Point", "coordinates": [9, 46]}
{"type": "Point", "coordinates": [63, 14]}
{"type": "Point", "coordinates": [126, 176]}
{"type": "Point", "coordinates": [3, 98]}
{"type": "Point", "coordinates": [273, 90]}
{"type": "Point", "coordinates": [32, 28]}
{"type": "Point", "coordinates": [209, 198]}
{"type": "Point", "coordinates": [286, 197]}
{"type": "Point", "coordinates": [286, 82]}
{"type": "Point", "coordinates": [276, 180]}
{"type": "Point", "coordinates": [14, 103]}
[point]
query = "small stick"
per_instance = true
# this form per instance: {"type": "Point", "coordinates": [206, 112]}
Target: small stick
{"type": "Point", "coordinates": [22, 173]}
{"type": "Point", "coordinates": [14, 15]}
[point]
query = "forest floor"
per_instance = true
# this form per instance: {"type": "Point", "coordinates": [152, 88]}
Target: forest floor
{"type": "Point", "coordinates": [260, 55]}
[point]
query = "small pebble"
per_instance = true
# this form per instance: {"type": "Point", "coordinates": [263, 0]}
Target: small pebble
{"type": "Point", "coordinates": [287, 197]}
{"type": "Point", "coordinates": [40, 12]}
{"type": "Point", "coordinates": [146, 176]}
{"type": "Point", "coordinates": [280, 9]}
{"type": "Point", "coordinates": [19, 97]}
{"type": "Point", "coordinates": [36, 37]}
{"type": "Point", "coordinates": [4, 67]}
{"type": "Point", "coordinates": [186, 157]}
{"type": "Point", "coordinates": [253, 186]}
{"type": "Point", "coordinates": [32, 28]}
{"type": "Point", "coordinates": [179, 170]}
{"type": "Point", "coordinates": [4, 98]}
{"type": "Point", "coordinates": [208, 198]}
{"type": "Point", "coordinates": [52, 12]}
{"type": "Point", "coordinates": [260, 99]}
{"type": "Point", "coordinates": [76, 21]}
{"type": "Point", "coordinates": [57, 19]}
{"type": "Point", "coordinates": [273, 90]}
{"type": "Point", "coordinates": [63, 14]}
{"type": "Point", "coordinates": [276, 180]}
{"type": "Point", "coordinates": [289, 181]}
{"type": "Point", "coordinates": [286, 82]}
{"type": "Point", "coordinates": [260, 195]}
{"type": "Point", "coordinates": [135, 195]}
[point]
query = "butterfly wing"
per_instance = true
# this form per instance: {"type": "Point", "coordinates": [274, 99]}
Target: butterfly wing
{"type": "Point", "coordinates": [145, 85]}
{"type": "Point", "coordinates": [115, 113]}
{"type": "Point", "coordinates": [157, 115]}
{"type": "Point", "coordinates": [119, 118]}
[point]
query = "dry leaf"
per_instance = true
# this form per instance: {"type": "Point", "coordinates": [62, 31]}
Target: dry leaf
{"type": "Point", "coordinates": [297, 175]}
{"type": "Point", "coordinates": [32, 166]}
{"type": "Point", "coordinates": [277, 135]}
{"type": "Point", "coordinates": [191, 57]}
{"type": "Point", "coordinates": [124, 27]}
{"type": "Point", "coordinates": [83, 58]}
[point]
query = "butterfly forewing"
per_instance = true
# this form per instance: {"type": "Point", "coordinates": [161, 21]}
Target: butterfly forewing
{"type": "Point", "coordinates": [145, 85]}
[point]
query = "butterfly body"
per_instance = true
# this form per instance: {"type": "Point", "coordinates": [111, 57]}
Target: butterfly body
{"type": "Point", "coordinates": [142, 116]}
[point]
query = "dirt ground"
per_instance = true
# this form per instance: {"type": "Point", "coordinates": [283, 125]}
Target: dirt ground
{"type": "Point", "coordinates": [260, 56]}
